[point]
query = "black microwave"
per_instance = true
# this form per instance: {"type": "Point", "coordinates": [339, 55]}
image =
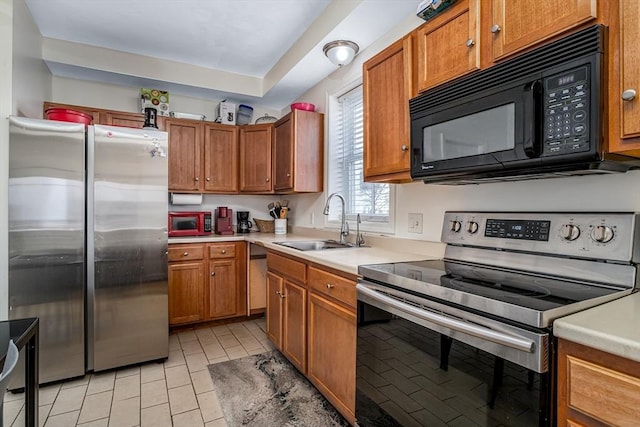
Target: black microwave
{"type": "Point", "coordinates": [537, 115]}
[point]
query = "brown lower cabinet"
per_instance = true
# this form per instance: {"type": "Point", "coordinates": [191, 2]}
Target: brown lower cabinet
{"type": "Point", "coordinates": [207, 281]}
{"type": "Point", "coordinates": [311, 319]}
{"type": "Point", "coordinates": [596, 388]}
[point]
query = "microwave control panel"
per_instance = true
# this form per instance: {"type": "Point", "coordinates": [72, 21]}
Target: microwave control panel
{"type": "Point", "coordinates": [566, 112]}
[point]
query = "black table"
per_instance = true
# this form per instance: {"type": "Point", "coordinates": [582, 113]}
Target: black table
{"type": "Point", "coordinates": [24, 333]}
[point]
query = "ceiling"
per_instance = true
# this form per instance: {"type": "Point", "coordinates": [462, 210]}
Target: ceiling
{"type": "Point", "coordinates": [267, 52]}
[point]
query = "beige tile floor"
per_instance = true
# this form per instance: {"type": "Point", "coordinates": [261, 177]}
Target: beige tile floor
{"type": "Point", "coordinates": [178, 392]}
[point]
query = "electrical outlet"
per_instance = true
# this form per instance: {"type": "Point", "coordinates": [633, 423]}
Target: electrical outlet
{"type": "Point", "coordinates": [415, 223]}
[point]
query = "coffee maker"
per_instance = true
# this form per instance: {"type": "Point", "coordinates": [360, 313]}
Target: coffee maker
{"type": "Point", "coordinates": [243, 222]}
{"type": "Point", "coordinates": [224, 220]}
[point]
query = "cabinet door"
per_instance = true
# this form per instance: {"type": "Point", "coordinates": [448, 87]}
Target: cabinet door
{"type": "Point", "coordinates": [624, 116]}
{"type": "Point", "coordinates": [274, 308]}
{"type": "Point", "coordinates": [283, 153]}
{"type": "Point", "coordinates": [519, 24]}
{"type": "Point", "coordinates": [185, 145]}
{"type": "Point", "coordinates": [131, 120]}
{"type": "Point", "coordinates": [186, 292]}
{"type": "Point", "coordinates": [449, 45]}
{"type": "Point", "coordinates": [255, 158]}
{"type": "Point", "coordinates": [332, 352]}
{"type": "Point", "coordinates": [223, 288]}
{"type": "Point", "coordinates": [294, 318]}
{"type": "Point", "coordinates": [629, 72]}
{"type": "Point", "coordinates": [387, 89]}
{"type": "Point", "coordinates": [221, 158]}
{"type": "Point", "coordinates": [298, 152]}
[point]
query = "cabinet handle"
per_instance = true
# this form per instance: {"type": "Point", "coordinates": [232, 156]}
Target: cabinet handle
{"type": "Point", "coordinates": [208, 179]}
{"type": "Point", "coordinates": [330, 286]}
{"type": "Point", "coordinates": [283, 296]}
{"type": "Point", "coordinates": [404, 147]}
{"type": "Point", "coordinates": [288, 175]}
{"type": "Point", "coordinates": [197, 179]}
{"type": "Point", "coordinates": [628, 95]}
{"type": "Point", "coordinates": [278, 293]}
{"type": "Point", "coordinates": [224, 251]}
{"type": "Point", "coordinates": [496, 29]}
{"type": "Point", "coordinates": [185, 254]}
{"type": "Point", "coordinates": [213, 273]}
{"type": "Point", "coordinates": [470, 43]}
{"type": "Point", "coordinates": [268, 179]}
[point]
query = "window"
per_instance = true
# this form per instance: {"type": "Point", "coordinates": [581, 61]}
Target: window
{"type": "Point", "coordinates": [372, 201]}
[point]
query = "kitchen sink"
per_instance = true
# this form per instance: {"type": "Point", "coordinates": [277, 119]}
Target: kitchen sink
{"type": "Point", "coordinates": [315, 245]}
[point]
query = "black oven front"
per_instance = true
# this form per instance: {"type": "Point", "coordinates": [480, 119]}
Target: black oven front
{"type": "Point", "coordinates": [420, 363]}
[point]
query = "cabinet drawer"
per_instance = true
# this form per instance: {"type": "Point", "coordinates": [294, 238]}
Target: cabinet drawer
{"type": "Point", "coordinates": [332, 285]}
{"type": "Point", "coordinates": [602, 393]}
{"type": "Point", "coordinates": [185, 252]}
{"type": "Point", "coordinates": [222, 250]}
{"type": "Point", "coordinates": [294, 269]}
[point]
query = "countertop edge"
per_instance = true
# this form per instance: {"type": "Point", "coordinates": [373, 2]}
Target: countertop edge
{"type": "Point", "coordinates": [613, 327]}
{"type": "Point", "coordinates": [346, 260]}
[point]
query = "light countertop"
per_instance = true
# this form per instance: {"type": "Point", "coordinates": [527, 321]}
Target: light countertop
{"type": "Point", "coordinates": [347, 259]}
{"type": "Point", "coordinates": [613, 327]}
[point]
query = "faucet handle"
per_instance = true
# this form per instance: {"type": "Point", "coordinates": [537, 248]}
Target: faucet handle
{"type": "Point", "coordinates": [359, 236]}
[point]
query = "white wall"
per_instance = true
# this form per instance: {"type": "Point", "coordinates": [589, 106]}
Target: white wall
{"type": "Point", "coordinates": [604, 193]}
{"type": "Point", "coordinates": [31, 77]}
{"type": "Point", "coordinates": [256, 205]}
{"type": "Point", "coordinates": [123, 98]}
{"type": "Point", "coordinates": [6, 60]}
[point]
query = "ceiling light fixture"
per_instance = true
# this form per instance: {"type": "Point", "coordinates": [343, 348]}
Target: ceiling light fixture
{"type": "Point", "coordinates": [341, 52]}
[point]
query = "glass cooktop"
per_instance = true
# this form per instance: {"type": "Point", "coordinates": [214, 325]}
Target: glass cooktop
{"type": "Point", "coordinates": [440, 278]}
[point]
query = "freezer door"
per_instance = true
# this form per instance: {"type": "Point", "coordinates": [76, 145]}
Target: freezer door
{"type": "Point", "coordinates": [47, 241]}
{"type": "Point", "coordinates": [127, 280]}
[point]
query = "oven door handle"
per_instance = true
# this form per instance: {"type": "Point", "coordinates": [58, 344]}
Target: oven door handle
{"type": "Point", "coordinates": [517, 343]}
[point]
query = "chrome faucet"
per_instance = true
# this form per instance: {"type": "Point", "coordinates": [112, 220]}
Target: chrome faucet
{"type": "Point", "coordinates": [344, 227]}
{"type": "Point", "coordinates": [359, 236]}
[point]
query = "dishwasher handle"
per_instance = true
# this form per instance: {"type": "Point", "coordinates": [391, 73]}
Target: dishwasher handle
{"type": "Point", "coordinates": [511, 341]}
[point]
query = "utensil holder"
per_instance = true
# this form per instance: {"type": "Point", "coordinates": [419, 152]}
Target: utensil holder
{"type": "Point", "coordinates": [280, 225]}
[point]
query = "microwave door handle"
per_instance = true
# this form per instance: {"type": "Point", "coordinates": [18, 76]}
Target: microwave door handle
{"type": "Point", "coordinates": [533, 119]}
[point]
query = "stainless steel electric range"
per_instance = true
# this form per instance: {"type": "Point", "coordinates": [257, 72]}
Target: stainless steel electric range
{"type": "Point", "coordinates": [468, 340]}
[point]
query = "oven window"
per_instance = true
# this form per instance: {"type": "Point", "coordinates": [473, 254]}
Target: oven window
{"type": "Point", "coordinates": [184, 223]}
{"type": "Point", "coordinates": [404, 378]}
{"type": "Point", "coordinates": [487, 131]}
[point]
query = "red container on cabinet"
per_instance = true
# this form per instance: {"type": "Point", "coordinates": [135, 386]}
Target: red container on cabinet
{"type": "Point", "coordinates": [66, 115]}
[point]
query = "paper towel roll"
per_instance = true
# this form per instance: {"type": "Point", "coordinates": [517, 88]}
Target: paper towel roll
{"type": "Point", "coordinates": [186, 199]}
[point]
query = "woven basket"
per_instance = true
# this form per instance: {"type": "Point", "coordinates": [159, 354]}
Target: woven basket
{"type": "Point", "coordinates": [265, 225]}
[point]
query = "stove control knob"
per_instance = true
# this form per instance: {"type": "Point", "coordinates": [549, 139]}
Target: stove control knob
{"type": "Point", "coordinates": [570, 232]}
{"type": "Point", "coordinates": [602, 234]}
{"type": "Point", "coordinates": [455, 226]}
{"type": "Point", "coordinates": [472, 227]}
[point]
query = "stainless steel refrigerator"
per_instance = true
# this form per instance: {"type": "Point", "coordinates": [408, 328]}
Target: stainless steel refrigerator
{"type": "Point", "coordinates": [88, 243]}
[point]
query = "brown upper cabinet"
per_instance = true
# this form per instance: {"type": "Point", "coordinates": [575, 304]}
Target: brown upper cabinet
{"type": "Point", "coordinates": [518, 25]}
{"type": "Point", "coordinates": [119, 118]}
{"type": "Point", "coordinates": [624, 84]}
{"type": "Point", "coordinates": [475, 34]}
{"type": "Point", "coordinates": [203, 157]}
{"type": "Point", "coordinates": [387, 87]}
{"type": "Point", "coordinates": [107, 117]}
{"type": "Point", "coordinates": [185, 155]}
{"type": "Point", "coordinates": [449, 45]}
{"type": "Point", "coordinates": [298, 152]}
{"type": "Point", "coordinates": [256, 158]}
{"type": "Point", "coordinates": [220, 158]}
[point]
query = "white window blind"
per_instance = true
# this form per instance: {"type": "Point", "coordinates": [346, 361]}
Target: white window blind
{"type": "Point", "coordinates": [371, 201]}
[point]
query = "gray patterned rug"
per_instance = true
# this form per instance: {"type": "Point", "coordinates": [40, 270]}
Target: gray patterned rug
{"type": "Point", "coordinates": [266, 390]}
